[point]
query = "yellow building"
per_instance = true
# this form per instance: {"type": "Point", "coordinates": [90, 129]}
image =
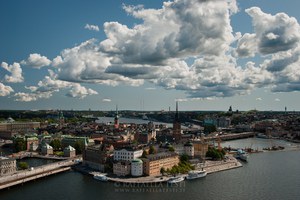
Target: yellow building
{"type": "Point", "coordinates": [200, 148]}
{"type": "Point", "coordinates": [153, 163]}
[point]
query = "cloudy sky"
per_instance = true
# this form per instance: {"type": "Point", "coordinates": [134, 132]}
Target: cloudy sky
{"type": "Point", "coordinates": [145, 55]}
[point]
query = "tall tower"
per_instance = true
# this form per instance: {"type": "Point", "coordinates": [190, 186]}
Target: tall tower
{"type": "Point", "coordinates": [176, 126]}
{"type": "Point", "coordinates": [61, 119]}
{"type": "Point", "coordinates": [116, 125]}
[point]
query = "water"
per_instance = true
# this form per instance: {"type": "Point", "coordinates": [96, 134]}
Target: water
{"type": "Point", "coordinates": [267, 176]}
{"type": "Point", "coordinates": [128, 120]}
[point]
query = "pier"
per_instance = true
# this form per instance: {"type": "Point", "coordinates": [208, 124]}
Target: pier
{"type": "Point", "coordinates": [23, 176]}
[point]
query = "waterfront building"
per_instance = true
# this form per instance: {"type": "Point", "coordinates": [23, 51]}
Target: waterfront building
{"type": "Point", "coordinates": [200, 147]}
{"type": "Point", "coordinates": [127, 154]}
{"type": "Point", "coordinates": [46, 149]}
{"type": "Point", "coordinates": [177, 126]}
{"type": "Point", "coordinates": [189, 149]}
{"type": "Point", "coordinates": [153, 163]}
{"type": "Point", "coordinates": [7, 166]}
{"type": "Point", "coordinates": [11, 128]}
{"type": "Point", "coordinates": [137, 167]}
{"type": "Point", "coordinates": [69, 151]}
{"type": "Point", "coordinates": [121, 168]}
{"type": "Point", "coordinates": [97, 156]}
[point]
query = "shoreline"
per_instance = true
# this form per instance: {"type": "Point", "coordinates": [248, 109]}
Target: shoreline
{"type": "Point", "coordinates": [209, 167]}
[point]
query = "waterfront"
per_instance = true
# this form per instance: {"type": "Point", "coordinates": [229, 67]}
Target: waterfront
{"type": "Point", "coordinates": [268, 175]}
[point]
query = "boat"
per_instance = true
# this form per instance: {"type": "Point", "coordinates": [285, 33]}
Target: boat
{"type": "Point", "coordinates": [242, 155]}
{"type": "Point", "coordinates": [100, 177]}
{"type": "Point", "coordinates": [176, 179]}
{"type": "Point", "coordinates": [196, 174]}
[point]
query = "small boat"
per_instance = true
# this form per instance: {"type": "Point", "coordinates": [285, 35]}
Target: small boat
{"type": "Point", "coordinates": [100, 177]}
{"type": "Point", "coordinates": [242, 155]}
{"type": "Point", "coordinates": [196, 174]}
{"type": "Point", "coordinates": [176, 179]}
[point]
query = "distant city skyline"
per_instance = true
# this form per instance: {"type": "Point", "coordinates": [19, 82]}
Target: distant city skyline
{"type": "Point", "coordinates": [146, 55]}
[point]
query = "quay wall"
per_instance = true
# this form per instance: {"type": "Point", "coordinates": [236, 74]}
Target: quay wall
{"type": "Point", "coordinates": [38, 172]}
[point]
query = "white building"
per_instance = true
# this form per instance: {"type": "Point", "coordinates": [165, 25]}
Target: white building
{"type": "Point", "coordinates": [136, 167]}
{"type": "Point", "coordinates": [7, 166]}
{"type": "Point", "coordinates": [127, 154]}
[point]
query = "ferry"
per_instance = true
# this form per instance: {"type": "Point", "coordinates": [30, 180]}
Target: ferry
{"type": "Point", "coordinates": [196, 174]}
{"type": "Point", "coordinates": [242, 155]}
{"type": "Point", "coordinates": [176, 179]}
{"type": "Point", "coordinates": [100, 177]}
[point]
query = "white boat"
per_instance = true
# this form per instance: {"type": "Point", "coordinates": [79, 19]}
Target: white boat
{"type": "Point", "coordinates": [242, 155]}
{"type": "Point", "coordinates": [100, 177]}
{"type": "Point", "coordinates": [176, 179]}
{"type": "Point", "coordinates": [196, 174]}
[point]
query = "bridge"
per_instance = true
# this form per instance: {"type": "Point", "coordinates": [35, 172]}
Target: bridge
{"type": "Point", "coordinates": [23, 176]}
{"type": "Point", "coordinates": [231, 136]}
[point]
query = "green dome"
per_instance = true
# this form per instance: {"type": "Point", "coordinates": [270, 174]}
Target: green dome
{"type": "Point", "coordinates": [137, 161]}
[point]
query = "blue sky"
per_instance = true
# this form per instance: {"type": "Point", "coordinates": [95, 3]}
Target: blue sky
{"type": "Point", "coordinates": [141, 55]}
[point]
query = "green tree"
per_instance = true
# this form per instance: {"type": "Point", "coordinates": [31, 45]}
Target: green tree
{"type": "Point", "coordinates": [79, 146]}
{"type": "Point", "coordinates": [19, 144]}
{"type": "Point", "coordinates": [215, 154]}
{"type": "Point", "coordinates": [152, 150]}
{"type": "Point", "coordinates": [171, 149]}
{"type": "Point", "coordinates": [209, 128]}
{"type": "Point", "coordinates": [56, 144]}
{"type": "Point", "coordinates": [162, 170]}
{"type": "Point", "coordinates": [144, 155]}
{"type": "Point", "coordinates": [23, 165]}
{"type": "Point", "coordinates": [184, 158]}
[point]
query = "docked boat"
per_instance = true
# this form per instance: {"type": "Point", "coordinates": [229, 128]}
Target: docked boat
{"type": "Point", "coordinates": [176, 179]}
{"type": "Point", "coordinates": [100, 177]}
{"type": "Point", "coordinates": [196, 174]}
{"type": "Point", "coordinates": [242, 155]}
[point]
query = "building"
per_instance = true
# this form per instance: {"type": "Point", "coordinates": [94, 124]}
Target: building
{"type": "Point", "coordinates": [122, 168]}
{"type": "Point", "coordinates": [46, 149]}
{"type": "Point", "coordinates": [200, 148]}
{"type": "Point", "coordinates": [7, 166]}
{"type": "Point", "coordinates": [177, 126]}
{"type": "Point", "coordinates": [127, 154]}
{"type": "Point", "coordinates": [11, 128]}
{"type": "Point", "coordinates": [72, 140]}
{"type": "Point", "coordinates": [97, 156]}
{"type": "Point", "coordinates": [69, 151]}
{"type": "Point", "coordinates": [153, 163]}
{"type": "Point", "coordinates": [32, 143]}
{"type": "Point", "coordinates": [189, 149]}
{"type": "Point", "coordinates": [137, 167]}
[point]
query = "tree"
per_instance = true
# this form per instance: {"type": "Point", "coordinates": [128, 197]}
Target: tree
{"type": "Point", "coordinates": [152, 150]}
{"type": "Point", "coordinates": [171, 149]}
{"type": "Point", "coordinates": [19, 144]}
{"type": "Point", "coordinates": [209, 128]}
{"type": "Point", "coordinates": [56, 144]}
{"type": "Point", "coordinates": [23, 165]}
{"type": "Point", "coordinates": [162, 170]}
{"type": "Point", "coordinates": [144, 155]}
{"type": "Point", "coordinates": [215, 154]}
{"type": "Point", "coordinates": [79, 146]}
{"type": "Point", "coordinates": [184, 158]}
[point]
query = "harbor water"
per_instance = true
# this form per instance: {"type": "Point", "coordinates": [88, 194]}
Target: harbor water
{"type": "Point", "coordinates": [268, 175]}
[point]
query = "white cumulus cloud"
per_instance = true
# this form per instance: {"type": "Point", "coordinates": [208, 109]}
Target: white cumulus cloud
{"type": "Point", "coordinates": [5, 90]}
{"type": "Point", "coordinates": [36, 60]}
{"type": "Point", "coordinates": [80, 92]}
{"type": "Point", "coordinates": [15, 71]}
